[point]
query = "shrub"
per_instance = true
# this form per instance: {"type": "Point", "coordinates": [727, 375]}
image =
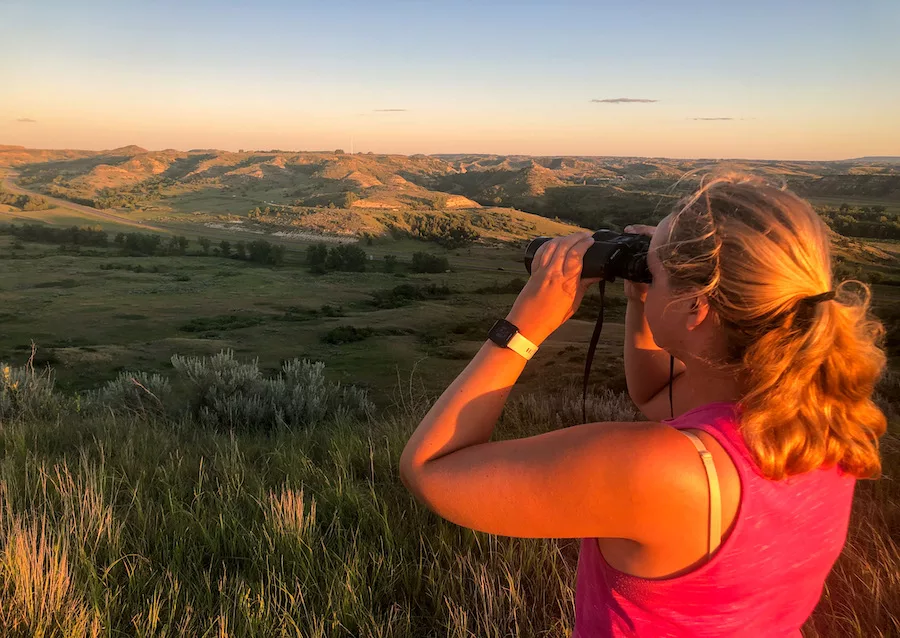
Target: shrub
{"type": "Point", "coordinates": [26, 393]}
{"type": "Point", "coordinates": [346, 334]}
{"type": "Point", "coordinates": [428, 263]}
{"type": "Point", "coordinates": [448, 231]}
{"type": "Point", "coordinates": [405, 294]}
{"type": "Point", "coordinates": [221, 322]}
{"type": "Point", "coordinates": [224, 393]}
{"type": "Point", "coordinates": [328, 310]}
{"type": "Point", "coordinates": [136, 393]}
{"type": "Point", "coordinates": [513, 286]}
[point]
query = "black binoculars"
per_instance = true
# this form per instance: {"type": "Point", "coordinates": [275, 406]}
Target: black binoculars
{"type": "Point", "coordinates": [612, 255]}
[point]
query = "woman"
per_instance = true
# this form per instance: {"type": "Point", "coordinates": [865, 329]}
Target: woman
{"type": "Point", "coordinates": [773, 380]}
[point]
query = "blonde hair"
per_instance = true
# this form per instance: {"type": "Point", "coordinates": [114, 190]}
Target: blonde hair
{"type": "Point", "coordinates": [808, 369]}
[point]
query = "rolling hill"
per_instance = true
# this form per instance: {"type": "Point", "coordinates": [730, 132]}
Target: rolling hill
{"type": "Point", "coordinates": [502, 197]}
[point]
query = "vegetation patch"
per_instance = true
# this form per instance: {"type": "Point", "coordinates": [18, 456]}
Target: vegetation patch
{"type": "Point", "coordinates": [511, 287]}
{"type": "Point", "coordinates": [139, 268]}
{"type": "Point", "coordinates": [346, 334]}
{"type": "Point", "coordinates": [405, 294]}
{"type": "Point", "coordinates": [428, 263]}
{"type": "Point", "coordinates": [345, 257]}
{"type": "Point", "coordinates": [221, 323]}
{"type": "Point", "coordinates": [60, 283]}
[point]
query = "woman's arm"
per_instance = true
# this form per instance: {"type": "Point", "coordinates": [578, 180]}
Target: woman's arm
{"type": "Point", "coordinates": [646, 364]}
{"type": "Point", "coordinates": [481, 390]}
{"type": "Point", "coordinates": [622, 480]}
{"type": "Point", "coordinates": [549, 298]}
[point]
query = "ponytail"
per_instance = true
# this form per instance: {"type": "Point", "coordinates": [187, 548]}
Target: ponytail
{"type": "Point", "coordinates": [809, 383]}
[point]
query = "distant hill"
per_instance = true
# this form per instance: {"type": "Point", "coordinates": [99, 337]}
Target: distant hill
{"type": "Point", "coordinates": [19, 155]}
{"type": "Point", "coordinates": [381, 192]}
{"type": "Point", "coordinates": [893, 159]}
{"type": "Point", "coordinates": [131, 149]}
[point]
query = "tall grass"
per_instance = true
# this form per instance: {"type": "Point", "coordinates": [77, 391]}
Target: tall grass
{"type": "Point", "coordinates": [129, 524]}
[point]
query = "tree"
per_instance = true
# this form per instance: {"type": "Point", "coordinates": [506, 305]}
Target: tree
{"type": "Point", "coordinates": [182, 244]}
{"type": "Point", "coordinates": [349, 258]}
{"type": "Point", "coordinates": [225, 247]}
{"type": "Point", "coordinates": [428, 263]}
{"type": "Point", "coordinates": [263, 252]}
{"type": "Point", "coordinates": [240, 250]}
{"type": "Point", "coordinates": [440, 202]}
{"type": "Point", "coordinates": [390, 263]}
{"type": "Point", "coordinates": [35, 202]}
{"type": "Point", "coordinates": [204, 244]}
{"type": "Point", "coordinates": [316, 255]}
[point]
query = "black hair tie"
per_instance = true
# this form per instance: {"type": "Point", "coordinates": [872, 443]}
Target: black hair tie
{"type": "Point", "coordinates": [823, 296]}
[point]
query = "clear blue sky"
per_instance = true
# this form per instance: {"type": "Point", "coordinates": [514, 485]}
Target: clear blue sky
{"type": "Point", "coordinates": [810, 79]}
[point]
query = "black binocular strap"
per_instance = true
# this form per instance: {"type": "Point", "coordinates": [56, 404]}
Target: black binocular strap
{"type": "Point", "coordinates": [592, 347]}
{"type": "Point", "coordinates": [590, 353]}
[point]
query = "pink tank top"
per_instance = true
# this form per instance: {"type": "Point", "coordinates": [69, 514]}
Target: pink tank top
{"type": "Point", "coordinates": [764, 580]}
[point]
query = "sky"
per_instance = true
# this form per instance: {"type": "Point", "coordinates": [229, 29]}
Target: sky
{"type": "Point", "coordinates": [792, 79]}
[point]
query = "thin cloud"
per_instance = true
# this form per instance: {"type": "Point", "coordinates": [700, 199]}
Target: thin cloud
{"type": "Point", "coordinates": [713, 119]}
{"type": "Point", "coordinates": [389, 110]}
{"type": "Point", "coordinates": [26, 120]}
{"type": "Point", "coordinates": [623, 100]}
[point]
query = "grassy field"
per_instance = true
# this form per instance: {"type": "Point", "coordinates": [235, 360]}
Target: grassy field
{"type": "Point", "coordinates": [129, 524]}
{"type": "Point", "coordinates": [94, 314]}
{"type": "Point", "coordinates": [147, 524]}
{"type": "Point", "coordinates": [61, 216]}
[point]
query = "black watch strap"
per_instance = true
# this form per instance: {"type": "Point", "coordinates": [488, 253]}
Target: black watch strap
{"type": "Point", "coordinates": [507, 335]}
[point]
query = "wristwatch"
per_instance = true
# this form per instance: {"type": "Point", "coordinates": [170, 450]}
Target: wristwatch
{"type": "Point", "coordinates": [507, 335]}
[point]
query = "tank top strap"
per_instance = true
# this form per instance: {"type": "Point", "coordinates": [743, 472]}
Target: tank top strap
{"type": "Point", "coordinates": [715, 495]}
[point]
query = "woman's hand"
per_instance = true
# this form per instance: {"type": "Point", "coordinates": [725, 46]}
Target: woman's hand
{"type": "Point", "coordinates": [555, 289]}
{"type": "Point", "coordinates": [635, 291]}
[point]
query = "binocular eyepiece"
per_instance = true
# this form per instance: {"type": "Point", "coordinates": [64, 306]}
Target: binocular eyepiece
{"type": "Point", "coordinates": [612, 255]}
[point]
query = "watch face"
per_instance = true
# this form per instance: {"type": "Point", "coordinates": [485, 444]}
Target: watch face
{"type": "Point", "coordinates": [502, 332]}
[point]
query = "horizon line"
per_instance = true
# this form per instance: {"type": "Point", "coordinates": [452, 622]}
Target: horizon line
{"type": "Point", "coordinates": [4, 147]}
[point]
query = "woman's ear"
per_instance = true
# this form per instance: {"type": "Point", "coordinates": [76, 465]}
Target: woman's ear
{"type": "Point", "coordinates": [699, 312]}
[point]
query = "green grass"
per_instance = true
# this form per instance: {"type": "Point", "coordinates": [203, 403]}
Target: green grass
{"type": "Point", "coordinates": [129, 526]}
{"type": "Point", "coordinates": [93, 315]}
{"type": "Point", "coordinates": [60, 216]}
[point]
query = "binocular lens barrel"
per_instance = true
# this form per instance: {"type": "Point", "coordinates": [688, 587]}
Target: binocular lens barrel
{"type": "Point", "coordinates": [612, 255]}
